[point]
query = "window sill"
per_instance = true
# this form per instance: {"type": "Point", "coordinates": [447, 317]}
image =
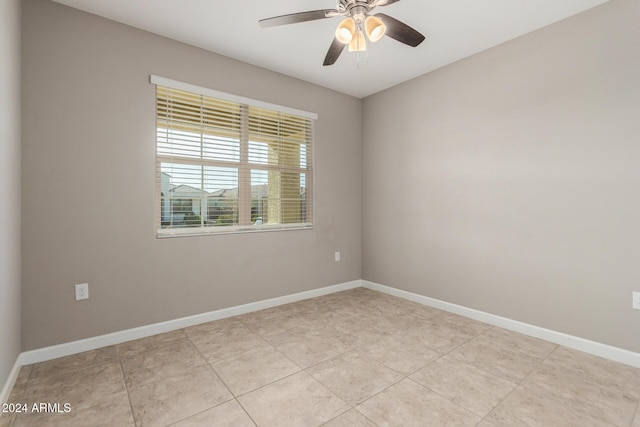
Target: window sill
{"type": "Point", "coordinates": [208, 231]}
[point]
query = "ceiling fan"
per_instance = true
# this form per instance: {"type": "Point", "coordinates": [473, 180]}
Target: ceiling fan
{"type": "Point", "coordinates": [357, 22]}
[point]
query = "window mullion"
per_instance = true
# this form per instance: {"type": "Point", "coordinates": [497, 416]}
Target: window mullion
{"type": "Point", "coordinates": [244, 172]}
{"type": "Point", "coordinates": [203, 198]}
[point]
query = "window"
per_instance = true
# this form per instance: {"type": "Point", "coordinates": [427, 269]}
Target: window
{"type": "Point", "coordinates": [229, 164]}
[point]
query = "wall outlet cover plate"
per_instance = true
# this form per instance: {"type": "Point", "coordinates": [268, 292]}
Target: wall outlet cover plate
{"type": "Point", "coordinates": [82, 291]}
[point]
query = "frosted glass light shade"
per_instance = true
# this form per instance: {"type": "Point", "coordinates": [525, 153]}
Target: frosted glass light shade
{"type": "Point", "coordinates": [375, 28]}
{"type": "Point", "coordinates": [345, 31]}
{"type": "Point", "coordinates": [358, 43]}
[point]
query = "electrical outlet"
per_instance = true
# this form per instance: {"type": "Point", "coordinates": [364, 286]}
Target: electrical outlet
{"type": "Point", "coordinates": [337, 256]}
{"type": "Point", "coordinates": [636, 300]}
{"type": "Point", "coordinates": [82, 291]}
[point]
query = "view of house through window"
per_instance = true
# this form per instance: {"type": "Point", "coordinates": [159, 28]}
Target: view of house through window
{"type": "Point", "coordinates": [225, 166]}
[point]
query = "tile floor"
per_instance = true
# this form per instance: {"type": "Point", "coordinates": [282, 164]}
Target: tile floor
{"type": "Point", "coordinates": [355, 358]}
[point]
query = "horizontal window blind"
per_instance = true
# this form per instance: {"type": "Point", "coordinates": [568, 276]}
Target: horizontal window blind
{"type": "Point", "coordinates": [225, 166]}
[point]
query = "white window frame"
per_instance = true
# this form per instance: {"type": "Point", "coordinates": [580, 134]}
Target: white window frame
{"type": "Point", "coordinates": [244, 164]}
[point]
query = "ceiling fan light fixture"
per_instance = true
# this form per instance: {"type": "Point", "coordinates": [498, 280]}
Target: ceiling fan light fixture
{"type": "Point", "coordinates": [357, 20]}
{"type": "Point", "coordinates": [346, 30]}
{"type": "Point", "coordinates": [358, 43]}
{"type": "Point", "coordinates": [375, 28]}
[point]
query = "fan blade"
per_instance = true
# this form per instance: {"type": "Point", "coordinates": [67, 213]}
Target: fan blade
{"type": "Point", "coordinates": [334, 52]}
{"type": "Point", "coordinates": [382, 3]}
{"type": "Point", "coordinates": [293, 18]}
{"type": "Point", "coordinates": [400, 31]}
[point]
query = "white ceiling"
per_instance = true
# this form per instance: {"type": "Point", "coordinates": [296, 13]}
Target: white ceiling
{"type": "Point", "coordinates": [454, 29]}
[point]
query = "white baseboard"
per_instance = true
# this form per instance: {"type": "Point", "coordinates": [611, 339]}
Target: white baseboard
{"type": "Point", "coordinates": [11, 381]}
{"type": "Point", "coordinates": [597, 349]}
{"type": "Point", "coordinates": [66, 349]}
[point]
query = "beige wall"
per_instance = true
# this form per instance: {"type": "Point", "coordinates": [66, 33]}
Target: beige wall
{"type": "Point", "coordinates": [9, 186]}
{"type": "Point", "coordinates": [88, 180]}
{"type": "Point", "coordinates": [509, 182]}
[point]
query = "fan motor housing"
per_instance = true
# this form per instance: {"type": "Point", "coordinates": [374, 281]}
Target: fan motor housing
{"type": "Point", "coordinates": [358, 12]}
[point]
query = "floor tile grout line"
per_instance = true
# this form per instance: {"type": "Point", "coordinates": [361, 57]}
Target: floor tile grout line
{"type": "Point", "coordinates": [500, 402]}
{"type": "Point", "coordinates": [266, 385]}
{"type": "Point", "coordinates": [473, 337]}
{"type": "Point", "coordinates": [198, 413]}
{"type": "Point", "coordinates": [69, 371]}
{"type": "Point", "coordinates": [261, 336]}
{"type": "Point", "coordinates": [215, 372]}
{"type": "Point", "coordinates": [180, 341]}
{"type": "Point", "coordinates": [580, 377]}
{"type": "Point", "coordinates": [205, 334]}
{"type": "Point", "coordinates": [234, 396]}
{"type": "Point", "coordinates": [333, 392]}
{"type": "Point", "coordinates": [209, 362]}
{"type": "Point", "coordinates": [306, 370]}
{"type": "Point", "coordinates": [301, 369]}
{"type": "Point", "coordinates": [126, 387]}
{"type": "Point", "coordinates": [156, 347]}
{"type": "Point", "coordinates": [246, 412]}
{"type": "Point", "coordinates": [538, 365]}
{"type": "Point", "coordinates": [345, 412]}
{"type": "Point", "coordinates": [182, 371]}
{"type": "Point", "coordinates": [351, 408]}
{"type": "Point", "coordinates": [381, 391]}
{"type": "Point", "coordinates": [275, 347]}
{"type": "Point", "coordinates": [450, 400]}
{"type": "Point", "coordinates": [30, 374]}
{"type": "Point", "coordinates": [552, 365]}
{"type": "Point", "coordinates": [288, 376]}
{"type": "Point", "coordinates": [519, 351]}
{"type": "Point", "coordinates": [447, 399]}
{"type": "Point", "coordinates": [76, 369]}
{"type": "Point", "coordinates": [520, 383]}
{"type": "Point", "coordinates": [368, 419]}
{"type": "Point", "coordinates": [576, 374]}
{"type": "Point", "coordinates": [350, 349]}
{"type": "Point", "coordinates": [516, 384]}
{"type": "Point", "coordinates": [461, 361]}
